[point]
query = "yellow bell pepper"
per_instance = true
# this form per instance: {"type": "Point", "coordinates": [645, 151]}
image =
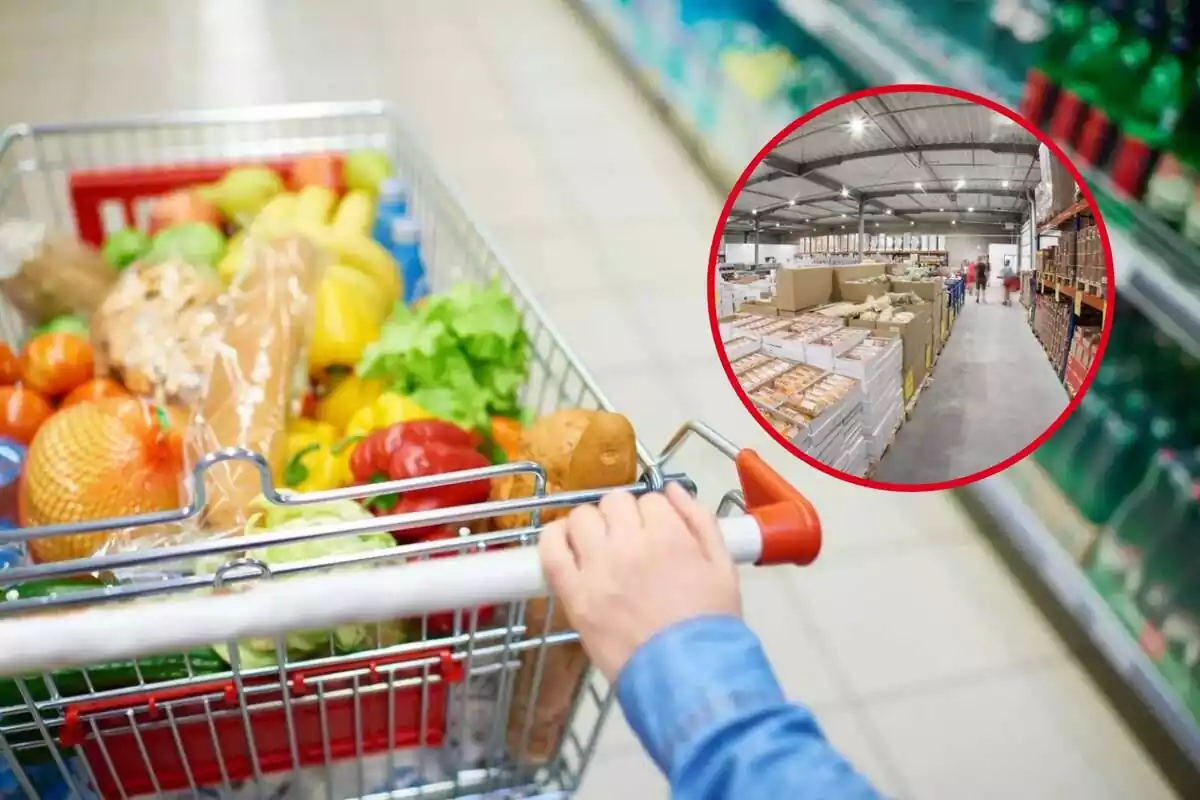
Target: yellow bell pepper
{"type": "Point", "coordinates": [388, 409]}
{"type": "Point", "coordinates": [314, 462]}
{"type": "Point", "coordinates": [348, 317]}
{"type": "Point", "coordinates": [348, 396]}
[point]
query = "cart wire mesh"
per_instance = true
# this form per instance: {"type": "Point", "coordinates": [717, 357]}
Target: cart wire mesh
{"type": "Point", "coordinates": [437, 714]}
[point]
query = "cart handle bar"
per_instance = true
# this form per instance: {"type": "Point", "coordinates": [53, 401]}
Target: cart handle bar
{"type": "Point", "coordinates": [323, 601]}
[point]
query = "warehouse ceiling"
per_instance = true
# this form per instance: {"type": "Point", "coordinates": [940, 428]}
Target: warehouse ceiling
{"type": "Point", "coordinates": [909, 158]}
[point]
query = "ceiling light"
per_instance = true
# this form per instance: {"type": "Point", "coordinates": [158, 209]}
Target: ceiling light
{"type": "Point", "coordinates": [1004, 184]}
{"type": "Point", "coordinates": [953, 222]}
{"type": "Point", "coordinates": [961, 183]}
{"type": "Point", "coordinates": [845, 192]}
{"type": "Point", "coordinates": [876, 224]}
{"type": "Point", "coordinates": [857, 125]}
{"type": "Point", "coordinates": [754, 211]}
{"type": "Point", "coordinates": [888, 211]}
{"type": "Point", "coordinates": [918, 186]}
{"type": "Point", "coordinates": [912, 223]}
{"type": "Point", "coordinates": [843, 216]}
{"type": "Point", "coordinates": [776, 224]}
{"type": "Point", "coordinates": [843, 227]}
{"type": "Point", "coordinates": [791, 202]}
{"type": "Point", "coordinates": [942, 210]}
{"type": "Point", "coordinates": [970, 210]}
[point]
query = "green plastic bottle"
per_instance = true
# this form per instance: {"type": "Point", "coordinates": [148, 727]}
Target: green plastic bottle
{"type": "Point", "coordinates": [1067, 22]}
{"type": "Point", "coordinates": [1112, 96]}
{"type": "Point", "coordinates": [1089, 66]}
{"type": "Point", "coordinates": [1129, 436]}
{"type": "Point", "coordinates": [1170, 559]}
{"type": "Point", "coordinates": [1117, 562]}
{"type": "Point", "coordinates": [1148, 126]}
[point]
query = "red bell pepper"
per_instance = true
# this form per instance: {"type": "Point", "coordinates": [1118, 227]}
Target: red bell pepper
{"type": "Point", "coordinates": [414, 450]}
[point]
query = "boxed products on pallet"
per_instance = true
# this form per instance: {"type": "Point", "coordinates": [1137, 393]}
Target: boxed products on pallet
{"type": "Point", "coordinates": [762, 308]}
{"type": "Point", "coordinates": [804, 287]}
{"type": "Point", "coordinates": [1084, 343]}
{"type": "Point", "coordinates": [915, 328]}
{"type": "Point", "coordinates": [876, 363]}
{"type": "Point", "coordinates": [1051, 320]}
{"type": "Point", "coordinates": [740, 346]}
{"type": "Point", "coordinates": [757, 369]}
{"type": "Point", "coordinates": [1092, 267]}
{"type": "Point", "coordinates": [822, 351]}
{"type": "Point", "coordinates": [791, 340]}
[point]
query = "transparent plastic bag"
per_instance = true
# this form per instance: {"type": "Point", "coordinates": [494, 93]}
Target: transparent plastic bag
{"type": "Point", "coordinates": [157, 329]}
{"type": "Point", "coordinates": [45, 274]}
{"type": "Point", "coordinates": [257, 374]}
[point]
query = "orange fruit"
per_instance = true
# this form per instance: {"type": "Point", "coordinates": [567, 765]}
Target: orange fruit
{"type": "Point", "coordinates": [92, 461]}
{"type": "Point", "coordinates": [22, 413]}
{"type": "Point", "coordinates": [95, 389]}
{"type": "Point", "coordinates": [55, 363]}
{"type": "Point", "coordinates": [10, 367]}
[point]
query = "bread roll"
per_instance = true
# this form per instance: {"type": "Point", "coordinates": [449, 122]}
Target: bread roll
{"type": "Point", "coordinates": [578, 449]}
{"type": "Point", "coordinates": [253, 377]}
{"type": "Point", "coordinates": [45, 274]}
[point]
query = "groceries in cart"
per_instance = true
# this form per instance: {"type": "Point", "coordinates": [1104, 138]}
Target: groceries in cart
{"type": "Point", "coordinates": [174, 389]}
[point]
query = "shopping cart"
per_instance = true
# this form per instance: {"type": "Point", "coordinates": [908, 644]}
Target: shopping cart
{"type": "Point", "coordinates": [491, 703]}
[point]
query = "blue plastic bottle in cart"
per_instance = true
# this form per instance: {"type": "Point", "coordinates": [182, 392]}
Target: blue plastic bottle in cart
{"type": "Point", "coordinates": [398, 231]}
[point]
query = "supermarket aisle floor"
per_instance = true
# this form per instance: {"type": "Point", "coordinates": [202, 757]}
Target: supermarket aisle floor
{"type": "Point", "coordinates": [993, 392]}
{"type": "Point", "coordinates": [909, 638]}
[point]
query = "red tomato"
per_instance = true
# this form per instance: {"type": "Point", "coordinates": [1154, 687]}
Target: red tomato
{"type": "Point", "coordinates": [10, 366]}
{"type": "Point", "coordinates": [56, 363]}
{"type": "Point", "coordinates": [319, 170]}
{"type": "Point", "coordinates": [22, 412]}
{"type": "Point", "coordinates": [95, 389]}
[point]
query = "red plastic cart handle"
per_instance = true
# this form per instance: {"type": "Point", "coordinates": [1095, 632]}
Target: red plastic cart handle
{"type": "Point", "coordinates": [791, 530]}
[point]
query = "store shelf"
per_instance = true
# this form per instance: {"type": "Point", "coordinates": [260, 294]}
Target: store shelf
{"type": "Point", "coordinates": [1069, 290]}
{"type": "Point", "coordinates": [1036, 529]}
{"type": "Point", "coordinates": [1066, 215]}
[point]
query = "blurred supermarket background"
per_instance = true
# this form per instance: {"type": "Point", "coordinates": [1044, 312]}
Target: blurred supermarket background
{"type": "Point", "coordinates": [595, 140]}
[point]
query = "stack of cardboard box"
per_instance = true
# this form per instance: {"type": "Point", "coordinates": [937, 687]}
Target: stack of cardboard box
{"type": "Point", "coordinates": [1082, 353]}
{"type": "Point", "coordinates": [876, 364]}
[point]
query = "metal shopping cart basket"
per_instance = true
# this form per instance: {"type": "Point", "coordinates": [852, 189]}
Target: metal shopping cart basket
{"type": "Point", "coordinates": [459, 710]}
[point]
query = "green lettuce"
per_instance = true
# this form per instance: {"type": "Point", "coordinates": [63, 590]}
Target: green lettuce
{"type": "Point", "coordinates": [462, 354]}
{"type": "Point", "coordinates": [305, 644]}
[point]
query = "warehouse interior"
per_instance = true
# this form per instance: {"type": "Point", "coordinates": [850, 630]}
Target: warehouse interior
{"type": "Point", "coordinates": [924, 184]}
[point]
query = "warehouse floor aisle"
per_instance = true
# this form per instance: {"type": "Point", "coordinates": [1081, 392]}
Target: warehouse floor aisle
{"type": "Point", "coordinates": [993, 392]}
{"type": "Point", "coordinates": [913, 643]}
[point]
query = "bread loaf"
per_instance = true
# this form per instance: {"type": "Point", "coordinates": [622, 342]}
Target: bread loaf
{"type": "Point", "coordinates": [252, 379]}
{"type": "Point", "coordinates": [45, 274]}
{"type": "Point", "coordinates": [578, 449]}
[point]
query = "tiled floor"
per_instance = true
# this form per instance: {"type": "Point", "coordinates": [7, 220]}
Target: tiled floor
{"type": "Point", "coordinates": [928, 666]}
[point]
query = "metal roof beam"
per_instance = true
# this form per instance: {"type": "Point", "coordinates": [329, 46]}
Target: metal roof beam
{"type": "Point", "coordinates": [786, 167]}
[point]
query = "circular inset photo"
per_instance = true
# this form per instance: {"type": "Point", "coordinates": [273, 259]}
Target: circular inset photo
{"type": "Point", "coordinates": [911, 287]}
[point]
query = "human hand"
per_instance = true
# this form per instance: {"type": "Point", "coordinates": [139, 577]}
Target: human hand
{"type": "Point", "coordinates": [630, 568]}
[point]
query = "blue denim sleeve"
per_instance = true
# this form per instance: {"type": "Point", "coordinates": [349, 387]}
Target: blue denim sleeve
{"type": "Point", "coordinates": [703, 701]}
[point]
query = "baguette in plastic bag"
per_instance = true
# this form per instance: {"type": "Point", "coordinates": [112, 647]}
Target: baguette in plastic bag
{"type": "Point", "coordinates": [257, 371]}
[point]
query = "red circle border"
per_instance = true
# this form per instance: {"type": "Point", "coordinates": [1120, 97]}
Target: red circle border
{"type": "Point", "coordinates": [1110, 299]}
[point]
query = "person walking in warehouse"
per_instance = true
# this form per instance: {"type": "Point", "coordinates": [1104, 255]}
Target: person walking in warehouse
{"type": "Point", "coordinates": [654, 595]}
{"type": "Point", "coordinates": [981, 278]}
{"type": "Point", "coordinates": [1011, 283]}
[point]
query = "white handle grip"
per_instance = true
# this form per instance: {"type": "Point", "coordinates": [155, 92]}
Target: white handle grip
{"type": "Point", "coordinates": [274, 608]}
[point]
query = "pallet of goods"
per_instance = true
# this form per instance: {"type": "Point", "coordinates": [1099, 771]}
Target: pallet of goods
{"type": "Point", "coordinates": [1084, 345]}
{"type": "Point", "coordinates": [876, 362]}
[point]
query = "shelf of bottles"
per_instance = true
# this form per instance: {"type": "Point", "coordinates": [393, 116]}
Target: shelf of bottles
{"type": "Point", "coordinates": [729, 73]}
{"type": "Point", "coordinates": [1108, 509]}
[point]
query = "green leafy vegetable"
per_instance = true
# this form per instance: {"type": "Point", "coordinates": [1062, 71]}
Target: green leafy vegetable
{"type": "Point", "coordinates": [462, 355]}
{"type": "Point", "coordinates": [304, 644]}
